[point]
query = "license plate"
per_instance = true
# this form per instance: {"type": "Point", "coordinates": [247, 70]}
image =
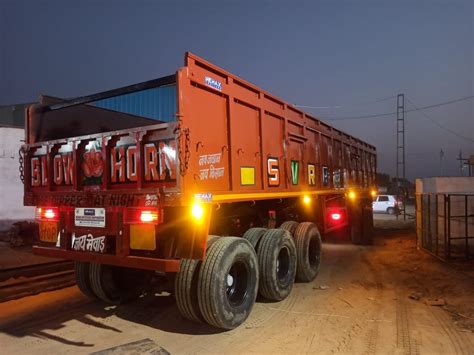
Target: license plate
{"type": "Point", "coordinates": [89, 217]}
{"type": "Point", "coordinates": [48, 231]}
{"type": "Point", "coordinates": [87, 242]}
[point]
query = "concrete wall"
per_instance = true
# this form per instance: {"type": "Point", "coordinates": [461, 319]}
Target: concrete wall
{"type": "Point", "coordinates": [11, 188]}
{"type": "Point", "coordinates": [445, 185]}
{"type": "Point", "coordinates": [13, 115]}
{"type": "Point", "coordinates": [433, 229]}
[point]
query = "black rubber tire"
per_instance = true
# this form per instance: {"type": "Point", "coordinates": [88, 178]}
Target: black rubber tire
{"type": "Point", "coordinates": [290, 226]}
{"type": "Point", "coordinates": [308, 251]}
{"type": "Point", "coordinates": [222, 305]}
{"type": "Point", "coordinates": [186, 284]}
{"type": "Point", "coordinates": [271, 261]}
{"type": "Point", "coordinates": [253, 235]}
{"type": "Point", "coordinates": [116, 285]}
{"type": "Point", "coordinates": [391, 210]}
{"type": "Point", "coordinates": [211, 239]}
{"type": "Point", "coordinates": [83, 281]}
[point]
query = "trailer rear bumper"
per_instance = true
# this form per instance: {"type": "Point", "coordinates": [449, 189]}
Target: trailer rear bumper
{"type": "Point", "coordinates": [137, 262]}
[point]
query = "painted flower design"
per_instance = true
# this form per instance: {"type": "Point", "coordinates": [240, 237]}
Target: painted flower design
{"type": "Point", "coordinates": [93, 165]}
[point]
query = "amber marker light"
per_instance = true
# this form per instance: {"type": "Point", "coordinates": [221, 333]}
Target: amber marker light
{"type": "Point", "coordinates": [197, 212]}
{"type": "Point", "coordinates": [352, 195]}
{"type": "Point", "coordinates": [306, 200]}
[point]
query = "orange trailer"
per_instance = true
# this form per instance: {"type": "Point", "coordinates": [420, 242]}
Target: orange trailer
{"type": "Point", "coordinates": [189, 175]}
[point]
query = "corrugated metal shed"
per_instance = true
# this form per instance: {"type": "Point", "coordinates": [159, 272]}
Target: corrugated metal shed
{"type": "Point", "coordinates": [13, 115]}
{"type": "Point", "coordinates": [156, 103]}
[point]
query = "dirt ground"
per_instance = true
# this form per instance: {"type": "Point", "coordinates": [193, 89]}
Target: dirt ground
{"type": "Point", "coordinates": [16, 257]}
{"type": "Point", "coordinates": [366, 300]}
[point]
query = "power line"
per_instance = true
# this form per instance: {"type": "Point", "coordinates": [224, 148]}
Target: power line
{"type": "Point", "coordinates": [439, 124]}
{"type": "Point", "coordinates": [360, 117]}
{"type": "Point", "coordinates": [394, 113]}
{"type": "Point", "coordinates": [349, 105]}
{"type": "Point", "coordinates": [317, 107]}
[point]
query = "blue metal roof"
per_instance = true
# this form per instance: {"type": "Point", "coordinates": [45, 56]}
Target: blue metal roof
{"type": "Point", "coordinates": [157, 103]}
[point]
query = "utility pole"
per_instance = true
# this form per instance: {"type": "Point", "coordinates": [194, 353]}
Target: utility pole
{"type": "Point", "coordinates": [401, 145]}
{"type": "Point", "coordinates": [461, 162]}
{"type": "Point", "coordinates": [441, 156]}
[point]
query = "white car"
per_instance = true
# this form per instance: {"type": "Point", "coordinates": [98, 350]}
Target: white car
{"type": "Point", "coordinates": [386, 203]}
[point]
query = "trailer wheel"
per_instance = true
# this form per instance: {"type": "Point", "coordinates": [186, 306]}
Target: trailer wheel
{"type": "Point", "coordinates": [211, 239]}
{"type": "Point", "coordinates": [308, 250]}
{"type": "Point", "coordinates": [290, 226]}
{"type": "Point", "coordinates": [83, 281]}
{"type": "Point", "coordinates": [253, 235]}
{"type": "Point", "coordinates": [116, 285]}
{"type": "Point", "coordinates": [186, 289]}
{"type": "Point", "coordinates": [228, 282]}
{"type": "Point", "coordinates": [186, 284]}
{"type": "Point", "coordinates": [277, 264]}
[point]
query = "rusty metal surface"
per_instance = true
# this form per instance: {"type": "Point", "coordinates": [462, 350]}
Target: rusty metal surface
{"type": "Point", "coordinates": [28, 280]}
{"type": "Point", "coordinates": [35, 270]}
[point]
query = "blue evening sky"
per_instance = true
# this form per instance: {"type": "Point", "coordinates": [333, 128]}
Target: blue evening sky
{"type": "Point", "coordinates": [342, 54]}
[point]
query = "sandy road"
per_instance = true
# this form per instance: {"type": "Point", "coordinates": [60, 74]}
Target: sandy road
{"type": "Point", "coordinates": [358, 304]}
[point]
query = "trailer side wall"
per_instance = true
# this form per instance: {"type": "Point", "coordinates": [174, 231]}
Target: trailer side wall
{"type": "Point", "coordinates": [244, 142]}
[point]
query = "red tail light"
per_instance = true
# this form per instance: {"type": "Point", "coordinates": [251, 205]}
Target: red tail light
{"type": "Point", "coordinates": [138, 216]}
{"type": "Point", "coordinates": [148, 216]}
{"type": "Point", "coordinates": [47, 214]}
{"type": "Point", "coordinates": [336, 217]}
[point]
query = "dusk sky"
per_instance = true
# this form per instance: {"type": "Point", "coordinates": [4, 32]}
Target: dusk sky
{"type": "Point", "coordinates": [338, 54]}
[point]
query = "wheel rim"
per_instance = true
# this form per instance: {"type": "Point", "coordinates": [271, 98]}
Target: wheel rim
{"type": "Point", "coordinates": [313, 252]}
{"type": "Point", "coordinates": [283, 264]}
{"type": "Point", "coordinates": [236, 283]}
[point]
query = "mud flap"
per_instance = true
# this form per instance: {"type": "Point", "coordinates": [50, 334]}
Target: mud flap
{"type": "Point", "coordinates": [362, 224]}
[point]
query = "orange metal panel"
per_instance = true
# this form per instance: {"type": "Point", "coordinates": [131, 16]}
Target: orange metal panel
{"type": "Point", "coordinates": [273, 142]}
{"type": "Point", "coordinates": [250, 135]}
{"type": "Point", "coordinates": [245, 148]}
{"type": "Point", "coordinates": [209, 143]}
{"type": "Point", "coordinates": [297, 168]}
{"type": "Point", "coordinates": [312, 158]}
{"type": "Point", "coordinates": [295, 128]}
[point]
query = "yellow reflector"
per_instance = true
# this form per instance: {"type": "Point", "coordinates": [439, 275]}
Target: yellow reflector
{"type": "Point", "coordinates": [247, 175]}
{"type": "Point", "coordinates": [142, 237]}
{"type": "Point", "coordinates": [48, 231]}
